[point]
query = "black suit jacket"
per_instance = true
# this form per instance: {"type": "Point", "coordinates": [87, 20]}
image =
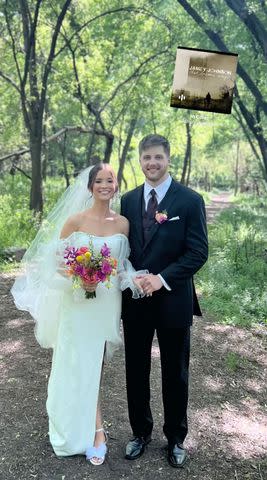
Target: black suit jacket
{"type": "Point", "coordinates": [175, 249]}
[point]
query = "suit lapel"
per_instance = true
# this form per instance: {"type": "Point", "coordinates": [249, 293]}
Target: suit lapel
{"type": "Point", "coordinates": [138, 214]}
{"type": "Point", "coordinates": [165, 204]}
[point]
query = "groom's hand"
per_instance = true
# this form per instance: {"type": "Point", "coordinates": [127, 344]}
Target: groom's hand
{"type": "Point", "coordinates": [150, 283]}
{"type": "Point", "coordinates": [138, 282]}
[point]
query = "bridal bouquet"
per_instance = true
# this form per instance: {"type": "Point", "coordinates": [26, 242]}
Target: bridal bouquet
{"type": "Point", "coordinates": [86, 266]}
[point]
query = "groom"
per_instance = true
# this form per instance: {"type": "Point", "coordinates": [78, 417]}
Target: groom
{"type": "Point", "coordinates": [172, 249]}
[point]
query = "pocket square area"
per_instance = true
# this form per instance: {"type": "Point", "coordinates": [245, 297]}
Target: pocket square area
{"type": "Point", "coordinates": [174, 218]}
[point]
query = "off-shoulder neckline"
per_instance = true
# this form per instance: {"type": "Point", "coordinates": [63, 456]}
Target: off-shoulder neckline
{"type": "Point", "coordinates": [95, 236]}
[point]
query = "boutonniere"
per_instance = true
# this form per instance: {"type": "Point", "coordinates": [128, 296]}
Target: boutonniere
{"type": "Point", "coordinates": [162, 217]}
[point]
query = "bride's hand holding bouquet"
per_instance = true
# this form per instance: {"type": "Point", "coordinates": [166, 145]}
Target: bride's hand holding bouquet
{"type": "Point", "coordinates": [88, 268]}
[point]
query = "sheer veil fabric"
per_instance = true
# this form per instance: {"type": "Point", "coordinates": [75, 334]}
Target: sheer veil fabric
{"type": "Point", "coordinates": [39, 283]}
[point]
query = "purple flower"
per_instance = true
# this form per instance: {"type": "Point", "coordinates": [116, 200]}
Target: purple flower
{"type": "Point", "coordinates": [100, 276]}
{"type": "Point", "coordinates": [106, 268]}
{"type": "Point", "coordinates": [105, 251]}
{"type": "Point", "coordinates": [70, 254]}
{"type": "Point", "coordinates": [79, 270]}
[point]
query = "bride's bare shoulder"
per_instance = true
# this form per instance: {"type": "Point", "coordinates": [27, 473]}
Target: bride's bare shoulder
{"type": "Point", "coordinates": [71, 225]}
{"type": "Point", "coordinates": [123, 224]}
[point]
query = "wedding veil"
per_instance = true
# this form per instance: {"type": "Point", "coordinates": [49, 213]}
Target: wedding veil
{"type": "Point", "coordinates": [38, 289]}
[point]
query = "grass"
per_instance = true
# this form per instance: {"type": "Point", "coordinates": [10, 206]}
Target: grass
{"type": "Point", "coordinates": [233, 282]}
{"type": "Point", "coordinates": [18, 225]}
{"type": "Point", "coordinates": [8, 265]}
{"type": "Point", "coordinates": [234, 362]}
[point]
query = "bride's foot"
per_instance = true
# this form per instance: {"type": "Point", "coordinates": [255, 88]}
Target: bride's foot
{"type": "Point", "coordinates": [96, 454]}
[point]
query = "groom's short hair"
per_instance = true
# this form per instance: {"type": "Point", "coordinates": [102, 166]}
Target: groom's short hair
{"type": "Point", "coordinates": [154, 140]}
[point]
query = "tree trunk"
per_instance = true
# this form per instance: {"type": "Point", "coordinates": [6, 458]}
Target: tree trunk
{"type": "Point", "coordinates": [133, 173]}
{"type": "Point", "coordinates": [63, 151]}
{"type": "Point", "coordinates": [125, 150]}
{"type": "Point", "coordinates": [45, 161]}
{"type": "Point", "coordinates": [237, 168]}
{"type": "Point", "coordinates": [253, 23]}
{"type": "Point", "coordinates": [187, 154]}
{"type": "Point", "coordinates": [91, 144]}
{"type": "Point", "coordinates": [125, 183]}
{"type": "Point", "coordinates": [108, 151]}
{"type": "Point", "coordinates": [188, 169]}
{"type": "Point", "coordinates": [255, 128]}
{"type": "Point", "coordinates": [36, 197]}
{"type": "Point", "coordinates": [32, 85]}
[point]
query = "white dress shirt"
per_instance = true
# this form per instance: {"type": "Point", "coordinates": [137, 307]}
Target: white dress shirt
{"type": "Point", "coordinates": [161, 191]}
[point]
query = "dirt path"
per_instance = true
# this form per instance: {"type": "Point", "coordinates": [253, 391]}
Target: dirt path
{"type": "Point", "coordinates": [227, 415]}
{"type": "Point", "coordinates": [218, 203]}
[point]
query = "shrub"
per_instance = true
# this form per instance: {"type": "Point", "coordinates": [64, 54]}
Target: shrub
{"type": "Point", "coordinates": [233, 280]}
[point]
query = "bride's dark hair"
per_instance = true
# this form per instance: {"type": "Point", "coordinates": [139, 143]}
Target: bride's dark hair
{"type": "Point", "coordinates": [97, 168]}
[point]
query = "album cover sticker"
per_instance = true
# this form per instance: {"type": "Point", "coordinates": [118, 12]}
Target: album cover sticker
{"type": "Point", "coordinates": [204, 80]}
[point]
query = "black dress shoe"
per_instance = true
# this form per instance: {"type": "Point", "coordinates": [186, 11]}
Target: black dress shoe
{"type": "Point", "coordinates": [136, 447]}
{"type": "Point", "coordinates": [176, 455]}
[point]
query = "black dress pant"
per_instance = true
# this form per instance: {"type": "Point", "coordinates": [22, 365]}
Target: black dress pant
{"type": "Point", "coordinates": [174, 344]}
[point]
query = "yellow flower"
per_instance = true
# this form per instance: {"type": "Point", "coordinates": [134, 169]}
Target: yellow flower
{"type": "Point", "coordinates": [87, 255]}
{"type": "Point", "coordinates": [79, 258]}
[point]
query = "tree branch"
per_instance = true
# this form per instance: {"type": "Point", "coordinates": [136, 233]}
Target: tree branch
{"type": "Point", "coordinates": [12, 41]}
{"type": "Point", "coordinates": [22, 171]}
{"type": "Point", "coordinates": [21, 88]}
{"type": "Point", "coordinates": [103, 14]}
{"type": "Point", "coordinates": [133, 75]}
{"type": "Point", "coordinates": [51, 55]}
{"type": "Point", "coordinates": [29, 41]}
{"type": "Point", "coordinates": [238, 118]}
{"type": "Point", "coordinates": [55, 136]}
{"type": "Point", "coordinates": [88, 104]}
{"type": "Point", "coordinates": [9, 80]}
{"type": "Point", "coordinates": [129, 9]}
{"type": "Point", "coordinates": [252, 22]}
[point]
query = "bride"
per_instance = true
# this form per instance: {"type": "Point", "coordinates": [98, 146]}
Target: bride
{"type": "Point", "coordinates": [82, 332]}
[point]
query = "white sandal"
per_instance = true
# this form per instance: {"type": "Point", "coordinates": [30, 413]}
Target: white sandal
{"type": "Point", "coordinates": [97, 452]}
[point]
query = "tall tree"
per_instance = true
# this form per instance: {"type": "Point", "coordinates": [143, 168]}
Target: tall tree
{"type": "Point", "coordinates": [252, 22]}
{"type": "Point", "coordinates": [187, 157]}
{"type": "Point", "coordinates": [123, 157]}
{"type": "Point", "coordinates": [32, 81]}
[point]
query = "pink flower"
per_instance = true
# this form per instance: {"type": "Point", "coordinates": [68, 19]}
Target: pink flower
{"type": "Point", "coordinates": [161, 217]}
{"type": "Point", "coordinates": [82, 250]}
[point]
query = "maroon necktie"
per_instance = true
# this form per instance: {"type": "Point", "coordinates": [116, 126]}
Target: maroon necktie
{"type": "Point", "coordinates": [149, 216]}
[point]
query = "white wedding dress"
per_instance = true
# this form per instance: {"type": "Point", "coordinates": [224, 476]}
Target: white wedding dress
{"type": "Point", "coordinates": [81, 331]}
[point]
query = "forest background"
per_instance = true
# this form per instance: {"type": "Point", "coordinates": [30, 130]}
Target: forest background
{"type": "Point", "coordinates": [83, 81]}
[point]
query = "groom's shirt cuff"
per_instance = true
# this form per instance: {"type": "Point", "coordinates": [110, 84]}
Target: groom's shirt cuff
{"type": "Point", "coordinates": [164, 283]}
